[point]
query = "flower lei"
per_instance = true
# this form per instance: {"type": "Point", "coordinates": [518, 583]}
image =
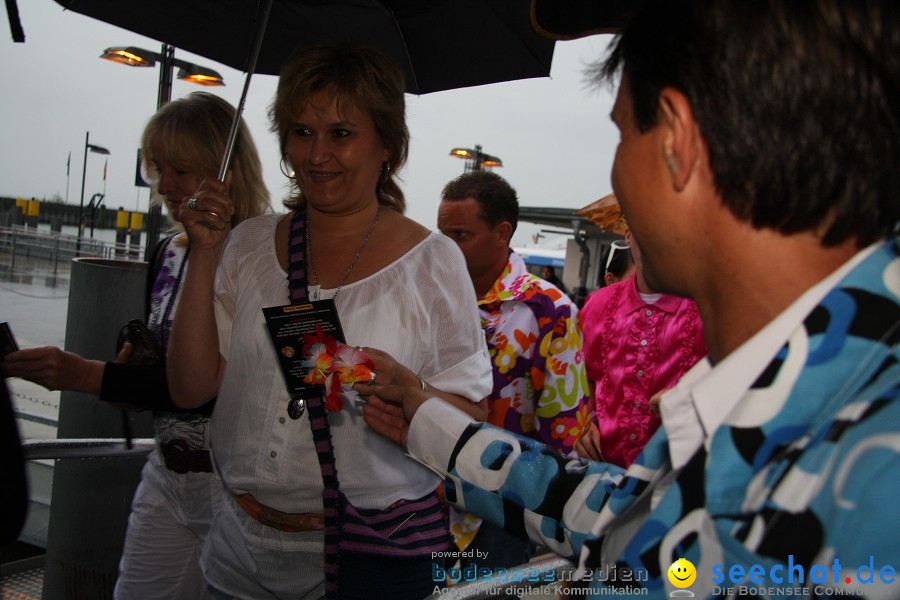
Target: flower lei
{"type": "Point", "coordinates": [334, 365]}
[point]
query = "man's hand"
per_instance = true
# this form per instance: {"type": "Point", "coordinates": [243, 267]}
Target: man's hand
{"type": "Point", "coordinates": [588, 445]}
{"type": "Point", "coordinates": [389, 409]}
{"type": "Point", "coordinates": [654, 401]}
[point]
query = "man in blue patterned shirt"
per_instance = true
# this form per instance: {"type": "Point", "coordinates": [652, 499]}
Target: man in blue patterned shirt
{"type": "Point", "coordinates": [759, 171]}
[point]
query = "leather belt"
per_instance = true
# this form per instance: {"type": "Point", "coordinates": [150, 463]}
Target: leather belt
{"type": "Point", "coordinates": [181, 458]}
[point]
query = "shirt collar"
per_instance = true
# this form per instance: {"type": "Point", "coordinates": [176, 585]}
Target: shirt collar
{"type": "Point", "coordinates": [700, 402]}
{"type": "Point", "coordinates": [513, 282]}
{"type": "Point", "coordinates": [632, 300]}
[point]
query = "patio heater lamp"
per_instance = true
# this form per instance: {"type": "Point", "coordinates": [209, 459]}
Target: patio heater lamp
{"type": "Point", "coordinates": [139, 57]}
{"type": "Point", "coordinates": [476, 160]}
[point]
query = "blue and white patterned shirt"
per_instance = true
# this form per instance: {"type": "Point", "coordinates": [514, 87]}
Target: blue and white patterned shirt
{"type": "Point", "coordinates": [792, 481]}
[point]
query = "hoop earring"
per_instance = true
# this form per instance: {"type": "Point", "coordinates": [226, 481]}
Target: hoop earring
{"type": "Point", "coordinates": [284, 169]}
{"type": "Point", "coordinates": [385, 171]}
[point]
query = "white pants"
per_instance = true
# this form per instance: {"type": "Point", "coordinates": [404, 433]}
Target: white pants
{"type": "Point", "coordinates": [245, 559]}
{"type": "Point", "coordinates": [170, 517]}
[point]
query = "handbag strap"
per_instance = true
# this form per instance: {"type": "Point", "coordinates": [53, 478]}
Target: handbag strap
{"type": "Point", "coordinates": [318, 418]}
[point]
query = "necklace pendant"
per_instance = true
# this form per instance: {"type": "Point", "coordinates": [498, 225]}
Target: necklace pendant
{"type": "Point", "coordinates": [296, 407]}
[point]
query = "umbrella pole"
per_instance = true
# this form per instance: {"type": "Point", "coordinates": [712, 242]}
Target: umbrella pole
{"type": "Point", "coordinates": [258, 36]}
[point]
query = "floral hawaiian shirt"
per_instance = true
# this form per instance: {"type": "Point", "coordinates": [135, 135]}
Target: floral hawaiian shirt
{"type": "Point", "coordinates": [540, 386]}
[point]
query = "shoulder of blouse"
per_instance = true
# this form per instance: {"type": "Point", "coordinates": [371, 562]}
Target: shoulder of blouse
{"type": "Point", "coordinates": [437, 252]}
{"type": "Point", "coordinates": [263, 225]}
{"type": "Point", "coordinates": [253, 235]}
{"type": "Point", "coordinates": [437, 266]}
{"type": "Point", "coordinates": [597, 298]}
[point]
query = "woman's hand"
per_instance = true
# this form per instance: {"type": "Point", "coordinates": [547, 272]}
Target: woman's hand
{"type": "Point", "coordinates": [389, 372]}
{"type": "Point", "coordinates": [588, 445]}
{"type": "Point", "coordinates": [206, 216]}
{"type": "Point", "coordinates": [55, 369]}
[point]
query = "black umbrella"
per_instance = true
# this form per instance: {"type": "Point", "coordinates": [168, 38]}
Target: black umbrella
{"type": "Point", "coordinates": [571, 19]}
{"type": "Point", "coordinates": [441, 44]}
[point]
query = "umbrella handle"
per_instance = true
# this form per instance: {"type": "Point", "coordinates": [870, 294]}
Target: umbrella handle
{"type": "Point", "coordinates": [258, 36]}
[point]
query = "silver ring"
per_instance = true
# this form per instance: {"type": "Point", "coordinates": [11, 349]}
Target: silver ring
{"type": "Point", "coordinates": [192, 203]}
{"type": "Point", "coordinates": [215, 214]}
{"type": "Point", "coordinates": [372, 377]}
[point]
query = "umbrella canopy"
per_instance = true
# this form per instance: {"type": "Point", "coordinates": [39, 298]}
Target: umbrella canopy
{"type": "Point", "coordinates": [606, 214]}
{"type": "Point", "coordinates": [441, 44]}
{"type": "Point", "coordinates": [571, 19]}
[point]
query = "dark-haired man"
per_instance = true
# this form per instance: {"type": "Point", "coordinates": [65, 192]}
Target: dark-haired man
{"type": "Point", "coordinates": [759, 172]}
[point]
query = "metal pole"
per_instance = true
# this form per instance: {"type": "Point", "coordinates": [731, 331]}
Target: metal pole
{"type": "Point", "coordinates": [258, 35]}
{"type": "Point", "coordinates": [68, 169]}
{"type": "Point", "coordinates": [56, 256]}
{"type": "Point", "coordinates": [87, 137]}
{"type": "Point", "coordinates": [164, 95]}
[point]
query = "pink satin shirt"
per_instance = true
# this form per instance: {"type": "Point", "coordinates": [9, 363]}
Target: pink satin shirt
{"type": "Point", "coordinates": [633, 350]}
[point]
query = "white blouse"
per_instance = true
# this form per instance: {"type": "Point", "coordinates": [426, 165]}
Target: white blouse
{"type": "Point", "coordinates": [420, 309]}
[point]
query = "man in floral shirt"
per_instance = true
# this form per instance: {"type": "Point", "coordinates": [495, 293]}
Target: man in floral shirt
{"type": "Point", "coordinates": [540, 386]}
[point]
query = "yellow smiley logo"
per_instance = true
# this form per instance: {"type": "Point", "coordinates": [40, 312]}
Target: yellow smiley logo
{"type": "Point", "coordinates": [682, 573]}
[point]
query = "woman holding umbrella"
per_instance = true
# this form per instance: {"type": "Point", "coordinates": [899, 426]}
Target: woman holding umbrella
{"type": "Point", "coordinates": [300, 478]}
{"type": "Point", "coordinates": [173, 506]}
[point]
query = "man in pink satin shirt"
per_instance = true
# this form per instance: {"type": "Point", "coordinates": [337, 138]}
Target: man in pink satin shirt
{"type": "Point", "coordinates": [637, 343]}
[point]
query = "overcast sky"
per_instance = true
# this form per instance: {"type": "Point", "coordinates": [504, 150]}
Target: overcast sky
{"type": "Point", "coordinates": [553, 135]}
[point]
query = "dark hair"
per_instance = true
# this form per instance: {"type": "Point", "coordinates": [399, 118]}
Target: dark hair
{"type": "Point", "coordinates": [498, 199]}
{"type": "Point", "coordinates": [797, 102]}
{"type": "Point", "coordinates": [359, 75]}
{"type": "Point", "coordinates": [620, 262]}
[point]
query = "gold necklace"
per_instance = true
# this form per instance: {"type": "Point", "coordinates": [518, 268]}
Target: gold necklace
{"type": "Point", "coordinates": [312, 263]}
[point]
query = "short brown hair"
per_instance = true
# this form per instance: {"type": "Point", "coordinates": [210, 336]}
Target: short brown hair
{"type": "Point", "coordinates": [497, 200]}
{"type": "Point", "coordinates": [359, 75]}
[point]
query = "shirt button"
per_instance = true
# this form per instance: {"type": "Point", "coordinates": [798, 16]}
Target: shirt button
{"type": "Point", "coordinates": [643, 342]}
{"type": "Point", "coordinates": [632, 436]}
{"type": "Point", "coordinates": [637, 404]}
{"type": "Point", "coordinates": [649, 313]}
{"type": "Point", "coordinates": [429, 459]}
{"type": "Point", "coordinates": [640, 373]}
{"type": "Point", "coordinates": [281, 420]}
{"type": "Point", "coordinates": [273, 454]}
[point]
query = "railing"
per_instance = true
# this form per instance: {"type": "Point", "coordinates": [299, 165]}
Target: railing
{"type": "Point", "coordinates": [21, 243]}
{"type": "Point", "coordinates": [85, 448]}
{"type": "Point", "coordinates": [529, 576]}
{"type": "Point", "coordinates": [27, 415]}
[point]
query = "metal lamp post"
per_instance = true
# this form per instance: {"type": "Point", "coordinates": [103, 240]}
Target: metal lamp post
{"type": "Point", "coordinates": [86, 530]}
{"type": "Point", "coordinates": [88, 147]}
{"type": "Point", "coordinates": [476, 160]}
{"type": "Point", "coordinates": [139, 57]}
